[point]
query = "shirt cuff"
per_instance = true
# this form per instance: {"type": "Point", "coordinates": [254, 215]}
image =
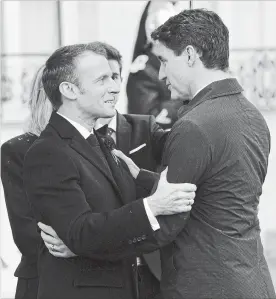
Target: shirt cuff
{"type": "Point", "coordinates": [152, 219]}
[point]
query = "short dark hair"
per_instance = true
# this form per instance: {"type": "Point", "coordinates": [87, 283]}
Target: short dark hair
{"type": "Point", "coordinates": [200, 28]}
{"type": "Point", "coordinates": [112, 53]}
{"type": "Point", "coordinates": [61, 67]}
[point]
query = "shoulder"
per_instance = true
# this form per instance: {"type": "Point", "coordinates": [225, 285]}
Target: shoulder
{"type": "Point", "coordinates": [186, 129]}
{"type": "Point", "coordinates": [48, 151]}
{"type": "Point", "coordinates": [17, 146]}
{"type": "Point", "coordinates": [46, 145]}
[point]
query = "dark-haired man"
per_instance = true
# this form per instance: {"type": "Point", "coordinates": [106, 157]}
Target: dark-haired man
{"type": "Point", "coordinates": [220, 143]}
{"type": "Point", "coordinates": [139, 137]}
{"type": "Point", "coordinates": [76, 185]}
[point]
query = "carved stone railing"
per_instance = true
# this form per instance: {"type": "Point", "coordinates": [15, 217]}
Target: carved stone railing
{"type": "Point", "coordinates": [256, 72]}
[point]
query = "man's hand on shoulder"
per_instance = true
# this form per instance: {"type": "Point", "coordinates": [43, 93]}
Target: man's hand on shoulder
{"type": "Point", "coordinates": [170, 198]}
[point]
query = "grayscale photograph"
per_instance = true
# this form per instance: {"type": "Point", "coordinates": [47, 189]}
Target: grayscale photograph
{"type": "Point", "coordinates": [138, 152]}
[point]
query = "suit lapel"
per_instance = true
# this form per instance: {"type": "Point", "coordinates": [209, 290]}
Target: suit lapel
{"type": "Point", "coordinates": [123, 134]}
{"type": "Point", "coordinates": [77, 142]}
{"type": "Point", "coordinates": [94, 155]}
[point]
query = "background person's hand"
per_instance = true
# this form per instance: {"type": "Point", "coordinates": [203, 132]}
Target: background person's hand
{"type": "Point", "coordinates": [54, 244]}
{"type": "Point", "coordinates": [133, 168]}
{"type": "Point", "coordinates": [171, 198]}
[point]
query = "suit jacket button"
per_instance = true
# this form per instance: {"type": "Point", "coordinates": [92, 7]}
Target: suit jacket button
{"type": "Point", "coordinates": [129, 241]}
{"type": "Point", "coordinates": [134, 240]}
{"type": "Point", "coordinates": [139, 239]}
{"type": "Point", "coordinates": [144, 237]}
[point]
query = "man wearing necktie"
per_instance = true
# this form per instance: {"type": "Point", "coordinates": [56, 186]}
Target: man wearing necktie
{"type": "Point", "coordinates": [71, 180]}
{"type": "Point", "coordinates": [139, 137]}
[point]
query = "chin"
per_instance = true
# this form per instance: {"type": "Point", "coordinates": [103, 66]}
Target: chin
{"type": "Point", "coordinates": [175, 95]}
{"type": "Point", "coordinates": [110, 113]}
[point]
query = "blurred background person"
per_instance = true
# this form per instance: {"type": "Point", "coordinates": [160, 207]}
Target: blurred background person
{"type": "Point", "coordinates": [23, 225]}
{"type": "Point", "coordinates": [145, 92]}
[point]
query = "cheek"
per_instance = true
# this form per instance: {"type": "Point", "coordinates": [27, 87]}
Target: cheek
{"type": "Point", "coordinates": [178, 76]}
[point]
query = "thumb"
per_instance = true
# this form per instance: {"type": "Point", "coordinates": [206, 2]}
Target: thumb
{"type": "Point", "coordinates": [47, 229]}
{"type": "Point", "coordinates": [163, 175]}
{"type": "Point", "coordinates": [117, 153]}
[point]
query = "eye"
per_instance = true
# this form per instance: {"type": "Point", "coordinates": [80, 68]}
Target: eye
{"type": "Point", "coordinates": [101, 80]}
{"type": "Point", "coordinates": [164, 63]}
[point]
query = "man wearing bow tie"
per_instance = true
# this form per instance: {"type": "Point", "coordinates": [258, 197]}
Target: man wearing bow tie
{"type": "Point", "coordinates": [75, 185]}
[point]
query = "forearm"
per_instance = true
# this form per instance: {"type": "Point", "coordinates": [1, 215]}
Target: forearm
{"type": "Point", "coordinates": [114, 235]}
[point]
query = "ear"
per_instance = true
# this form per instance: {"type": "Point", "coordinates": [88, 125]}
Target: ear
{"type": "Point", "coordinates": [191, 54]}
{"type": "Point", "coordinates": [69, 90]}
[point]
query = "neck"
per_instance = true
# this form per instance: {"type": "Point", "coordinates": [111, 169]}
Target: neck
{"type": "Point", "coordinates": [207, 77]}
{"type": "Point", "coordinates": [73, 114]}
{"type": "Point", "coordinates": [104, 121]}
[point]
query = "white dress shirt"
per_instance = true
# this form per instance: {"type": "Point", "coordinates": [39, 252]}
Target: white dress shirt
{"type": "Point", "coordinates": [113, 125]}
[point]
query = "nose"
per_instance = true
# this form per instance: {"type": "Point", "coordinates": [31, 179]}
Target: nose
{"type": "Point", "coordinates": [113, 87]}
{"type": "Point", "coordinates": [162, 75]}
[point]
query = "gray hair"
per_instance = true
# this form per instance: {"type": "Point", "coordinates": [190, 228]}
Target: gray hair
{"type": "Point", "coordinates": [40, 106]}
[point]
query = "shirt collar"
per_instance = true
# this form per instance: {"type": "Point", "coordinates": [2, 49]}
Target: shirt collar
{"type": "Point", "coordinates": [111, 122]}
{"type": "Point", "coordinates": [198, 91]}
{"type": "Point", "coordinates": [215, 89]}
{"type": "Point", "coordinates": [81, 129]}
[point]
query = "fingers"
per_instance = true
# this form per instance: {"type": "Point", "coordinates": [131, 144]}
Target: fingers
{"type": "Point", "coordinates": [47, 229]}
{"type": "Point", "coordinates": [177, 209]}
{"type": "Point", "coordinates": [185, 187]}
{"type": "Point", "coordinates": [116, 152]}
{"type": "Point", "coordinates": [51, 240]}
{"type": "Point", "coordinates": [183, 209]}
{"type": "Point", "coordinates": [179, 186]}
{"type": "Point", "coordinates": [120, 154]}
{"type": "Point", "coordinates": [185, 197]}
{"type": "Point", "coordinates": [59, 254]}
{"type": "Point", "coordinates": [59, 251]}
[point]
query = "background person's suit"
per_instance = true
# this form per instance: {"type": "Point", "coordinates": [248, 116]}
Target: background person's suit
{"type": "Point", "coordinates": [133, 131]}
{"type": "Point", "coordinates": [23, 224]}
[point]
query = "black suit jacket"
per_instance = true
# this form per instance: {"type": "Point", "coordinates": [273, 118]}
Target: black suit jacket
{"type": "Point", "coordinates": [71, 188]}
{"type": "Point", "coordinates": [23, 224]}
{"type": "Point", "coordinates": [132, 131]}
{"type": "Point", "coordinates": [220, 143]}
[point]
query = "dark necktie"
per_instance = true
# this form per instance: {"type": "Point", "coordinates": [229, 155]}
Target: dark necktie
{"type": "Point", "coordinates": [92, 140]}
{"type": "Point", "coordinates": [108, 140]}
{"type": "Point", "coordinates": [106, 135]}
